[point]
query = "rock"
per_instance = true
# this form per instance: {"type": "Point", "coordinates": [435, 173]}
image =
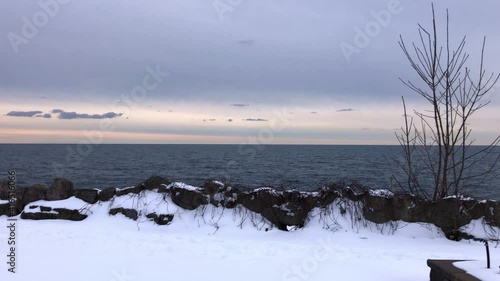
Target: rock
{"type": "Point", "coordinates": [87, 195]}
{"type": "Point", "coordinates": [162, 219]}
{"type": "Point", "coordinates": [260, 199]}
{"type": "Point", "coordinates": [129, 213]}
{"type": "Point", "coordinates": [73, 215]}
{"type": "Point", "coordinates": [220, 195]}
{"type": "Point", "coordinates": [409, 208]}
{"type": "Point", "coordinates": [448, 215]}
{"type": "Point", "coordinates": [188, 199]}
{"type": "Point", "coordinates": [211, 187]}
{"type": "Point", "coordinates": [286, 215]}
{"type": "Point", "coordinates": [378, 209]}
{"type": "Point", "coordinates": [26, 195]}
{"type": "Point", "coordinates": [60, 189]}
{"type": "Point", "coordinates": [326, 196]}
{"type": "Point", "coordinates": [106, 194]}
{"type": "Point", "coordinates": [5, 209]}
{"type": "Point", "coordinates": [281, 208]}
{"type": "Point", "coordinates": [155, 182]}
{"type": "Point", "coordinates": [352, 195]}
{"type": "Point", "coordinates": [150, 184]}
{"type": "Point", "coordinates": [47, 213]}
{"type": "Point", "coordinates": [45, 209]}
{"type": "Point", "coordinates": [230, 204]}
{"type": "Point", "coordinates": [4, 190]}
{"type": "Point", "coordinates": [474, 209]}
{"type": "Point", "coordinates": [32, 194]}
{"type": "Point", "coordinates": [492, 213]}
{"type": "Point", "coordinates": [163, 189]}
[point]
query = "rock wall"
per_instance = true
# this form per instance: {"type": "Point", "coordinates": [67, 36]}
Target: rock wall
{"type": "Point", "coordinates": [282, 208]}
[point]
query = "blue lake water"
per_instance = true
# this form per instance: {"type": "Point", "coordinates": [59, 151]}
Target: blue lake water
{"type": "Point", "coordinates": [304, 167]}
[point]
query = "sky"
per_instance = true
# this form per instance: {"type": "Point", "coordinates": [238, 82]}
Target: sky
{"type": "Point", "coordinates": [223, 71]}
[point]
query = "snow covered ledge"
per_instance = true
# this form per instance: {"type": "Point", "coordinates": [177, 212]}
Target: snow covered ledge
{"type": "Point", "coordinates": [445, 270]}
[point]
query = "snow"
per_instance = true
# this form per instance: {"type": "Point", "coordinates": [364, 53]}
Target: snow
{"type": "Point", "coordinates": [218, 183]}
{"type": "Point", "coordinates": [4, 202]}
{"type": "Point", "coordinates": [381, 193]}
{"type": "Point", "coordinates": [147, 202]}
{"type": "Point", "coordinates": [220, 197]}
{"type": "Point", "coordinates": [265, 188]}
{"type": "Point", "coordinates": [225, 244]}
{"type": "Point", "coordinates": [479, 229]}
{"type": "Point", "coordinates": [479, 270]}
{"type": "Point", "coordinates": [461, 197]}
{"type": "Point", "coordinates": [71, 203]}
{"type": "Point", "coordinates": [125, 188]}
{"type": "Point", "coordinates": [184, 186]}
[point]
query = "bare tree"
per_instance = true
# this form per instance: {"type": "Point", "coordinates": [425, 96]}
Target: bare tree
{"type": "Point", "coordinates": [438, 142]}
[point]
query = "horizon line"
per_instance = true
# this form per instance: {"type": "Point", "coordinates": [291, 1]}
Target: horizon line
{"type": "Point", "coordinates": [263, 144]}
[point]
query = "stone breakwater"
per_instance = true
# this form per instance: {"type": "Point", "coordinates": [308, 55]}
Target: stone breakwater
{"type": "Point", "coordinates": [283, 209]}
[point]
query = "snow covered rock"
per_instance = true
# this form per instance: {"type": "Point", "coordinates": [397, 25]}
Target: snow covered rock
{"type": "Point", "coordinates": [187, 197]}
{"type": "Point", "coordinates": [162, 219]}
{"type": "Point", "coordinates": [282, 208]}
{"type": "Point", "coordinates": [221, 195]}
{"type": "Point", "coordinates": [286, 215]}
{"type": "Point", "coordinates": [260, 199]}
{"type": "Point", "coordinates": [47, 213]}
{"type": "Point", "coordinates": [150, 184]}
{"type": "Point", "coordinates": [106, 194]}
{"type": "Point", "coordinates": [212, 187]}
{"type": "Point", "coordinates": [154, 182]}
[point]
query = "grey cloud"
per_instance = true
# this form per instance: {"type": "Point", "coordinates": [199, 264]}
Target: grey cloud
{"type": "Point", "coordinates": [277, 59]}
{"type": "Point", "coordinates": [240, 104]}
{"type": "Point", "coordinates": [46, 116]}
{"type": "Point", "coordinates": [314, 112]}
{"type": "Point", "coordinates": [23, 113]}
{"type": "Point", "coordinates": [55, 111]}
{"type": "Point", "coordinates": [246, 42]}
{"type": "Point", "coordinates": [229, 120]}
{"type": "Point", "coordinates": [345, 110]}
{"type": "Point", "coordinates": [255, 119]}
{"type": "Point", "coordinates": [209, 120]}
{"type": "Point", "coordinates": [73, 115]}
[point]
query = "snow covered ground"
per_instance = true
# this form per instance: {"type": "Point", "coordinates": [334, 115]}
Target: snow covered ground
{"type": "Point", "coordinates": [211, 245]}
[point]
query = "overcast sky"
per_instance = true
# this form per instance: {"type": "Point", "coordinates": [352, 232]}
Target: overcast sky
{"type": "Point", "coordinates": [224, 71]}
